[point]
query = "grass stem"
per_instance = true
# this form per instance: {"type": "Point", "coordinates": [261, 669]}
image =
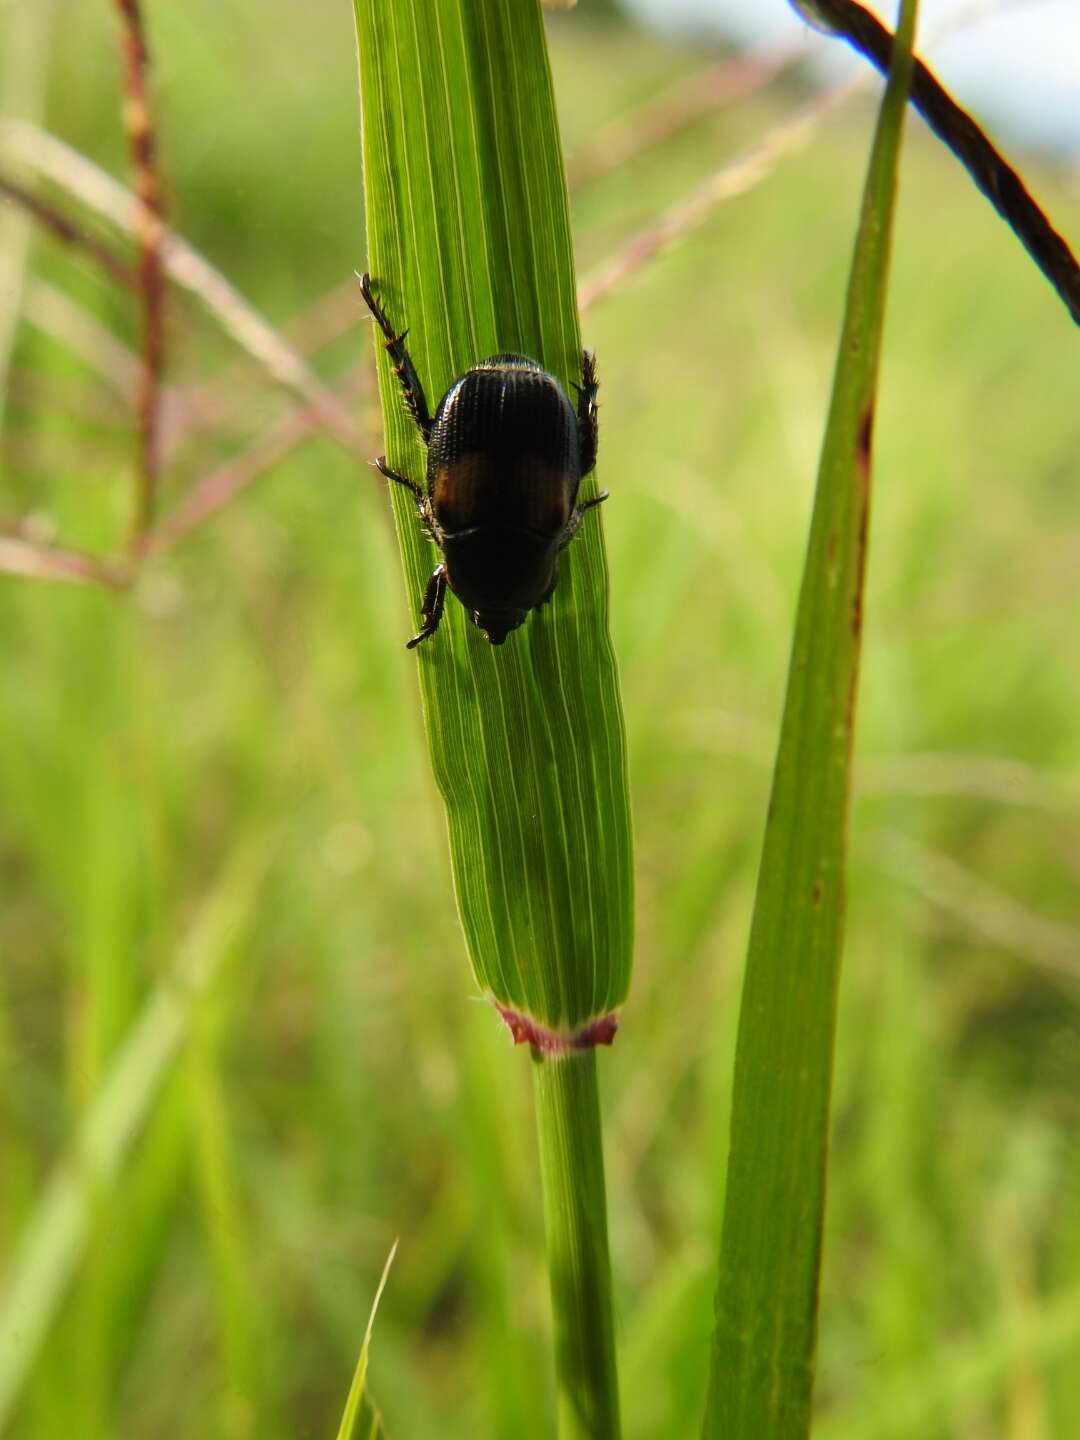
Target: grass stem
{"type": "Point", "coordinates": [575, 1217]}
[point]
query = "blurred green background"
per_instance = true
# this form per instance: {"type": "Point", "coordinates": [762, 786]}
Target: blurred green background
{"type": "Point", "coordinates": [223, 771]}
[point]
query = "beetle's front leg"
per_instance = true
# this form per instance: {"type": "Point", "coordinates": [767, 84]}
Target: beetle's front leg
{"type": "Point", "coordinates": [432, 608]}
{"type": "Point", "coordinates": [588, 422]}
{"type": "Point", "coordinates": [415, 400]}
{"type": "Point", "coordinates": [573, 525]}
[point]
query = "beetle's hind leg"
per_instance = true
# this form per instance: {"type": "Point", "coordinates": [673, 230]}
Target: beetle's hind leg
{"type": "Point", "coordinates": [432, 608]}
{"type": "Point", "coordinates": [587, 415]}
{"type": "Point", "coordinates": [573, 525]}
{"type": "Point", "coordinates": [415, 400]}
{"type": "Point", "coordinates": [399, 479]}
{"type": "Point", "coordinates": [423, 504]}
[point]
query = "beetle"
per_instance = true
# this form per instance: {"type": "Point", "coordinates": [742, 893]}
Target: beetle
{"type": "Point", "coordinates": [506, 454]}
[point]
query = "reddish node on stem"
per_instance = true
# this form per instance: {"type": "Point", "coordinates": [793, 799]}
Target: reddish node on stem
{"type": "Point", "coordinates": [527, 1031]}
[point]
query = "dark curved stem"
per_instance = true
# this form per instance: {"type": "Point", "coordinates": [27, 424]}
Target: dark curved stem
{"type": "Point", "coordinates": [992, 173]}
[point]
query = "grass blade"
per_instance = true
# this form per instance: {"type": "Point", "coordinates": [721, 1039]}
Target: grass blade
{"type": "Point", "coordinates": [469, 246]}
{"type": "Point", "coordinates": [761, 1379]}
{"type": "Point", "coordinates": [361, 1421]}
{"type": "Point", "coordinates": [52, 1245]}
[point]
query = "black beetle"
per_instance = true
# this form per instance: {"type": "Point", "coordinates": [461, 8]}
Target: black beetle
{"type": "Point", "coordinates": [505, 458]}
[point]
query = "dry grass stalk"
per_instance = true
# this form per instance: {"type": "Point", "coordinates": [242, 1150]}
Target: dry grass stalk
{"type": "Point", "coordinates": [138, 121]}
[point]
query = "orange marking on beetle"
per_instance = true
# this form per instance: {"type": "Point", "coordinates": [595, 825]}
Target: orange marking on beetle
{"type": "Point", "coordinates": [462, 487]}
{"type": "Point", "coordinates": [543, 491]}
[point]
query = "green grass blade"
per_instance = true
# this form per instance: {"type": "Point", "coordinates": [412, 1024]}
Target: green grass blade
{"type": "Point", "coordinates": [761, 1379]}
{"type": "Point", "coordinates": [361, 1421]}
{"type": "Point", "coordinates": [469, 246]}
{"type": "Point", "coordinates": [53, 1242]}
{"type": "Point", "coordinates": [571, 1161]}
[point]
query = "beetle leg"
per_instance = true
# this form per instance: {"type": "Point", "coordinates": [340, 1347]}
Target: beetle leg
{"type": "Point", "coordinates": [573, 525]}
{"type": "Point", "coordinates": [423, 504]}
{"type": "Point", "coordinates": [415, 401]}
{"type": "Point", "coordinates": [432, 608]}
{"type": "Point", "coordinates": [384, 469]}
{"type": "Point", "coordinates": [588, 426]}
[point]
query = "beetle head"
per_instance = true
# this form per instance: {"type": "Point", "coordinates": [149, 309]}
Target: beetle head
{"type": "Point", "coordinates": [497, 624]}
